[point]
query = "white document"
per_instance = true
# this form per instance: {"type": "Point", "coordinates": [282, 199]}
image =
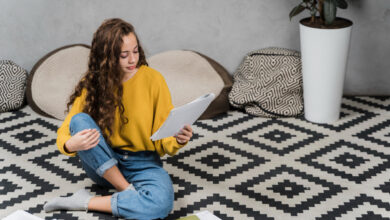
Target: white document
{"type": "Point", "coordinates": [184, 115]}
{"type": "Point", "coordinates": [206, 215]}
{"type": "Point", "coordinates": [21, 215]}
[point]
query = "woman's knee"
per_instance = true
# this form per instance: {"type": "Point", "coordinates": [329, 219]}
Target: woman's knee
{"type": "Point", "coordinates": [154, 204]}
{"type": "Point", "coordinates": [81, 121]}
{"type": "Point", "coordinates": [80, 118]}
{"type": "Point", "coordinates": [162, 203]}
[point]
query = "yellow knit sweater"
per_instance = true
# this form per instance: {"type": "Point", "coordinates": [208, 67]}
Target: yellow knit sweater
{"type": "Point", "coordinates": [147, 103]}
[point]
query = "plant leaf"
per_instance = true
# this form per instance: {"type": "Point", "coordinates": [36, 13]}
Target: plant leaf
{"type": "Point", "coordinates": [341, 4]}
{"type": "Point", "coordinates": [298, 9]}
{"type": "Point", "coordinates": [329, 11]}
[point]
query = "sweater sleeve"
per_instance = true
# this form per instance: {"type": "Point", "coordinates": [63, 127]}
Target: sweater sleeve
{"type": "Point", "coordinates": [163, 105]}
{"type": "Point", "coordinates": [63, 133]}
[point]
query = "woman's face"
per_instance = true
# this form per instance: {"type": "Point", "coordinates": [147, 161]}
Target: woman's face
{"type": "Point", "coordinates": [129, 56]}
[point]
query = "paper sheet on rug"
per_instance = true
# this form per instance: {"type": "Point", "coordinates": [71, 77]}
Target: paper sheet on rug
{"type": "Point", "coordinates": [21, 215]}
{"type": "Point", "coordinates": [184, 115]}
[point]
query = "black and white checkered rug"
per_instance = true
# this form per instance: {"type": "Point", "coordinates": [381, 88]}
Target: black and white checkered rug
{"type": "Point", "coordinates": [237, 166]}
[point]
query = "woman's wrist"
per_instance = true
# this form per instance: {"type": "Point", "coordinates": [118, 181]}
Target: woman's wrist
{"type": "Point", "coordinates": [67, 148]}
{"type": "Point", "coordinates": [181, 142]}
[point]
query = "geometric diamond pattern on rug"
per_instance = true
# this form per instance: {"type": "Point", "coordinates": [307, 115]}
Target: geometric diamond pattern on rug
{"type": "Point", "coordinates": [104, 216]}
{"type": "Point", "coordinates": [385, 187]}
{"type": "Point", "coordinates": [340, 159]}
{"type": "Point", "coordinates": [288, 189]}
{"type": "Point", "coordinates": [215, 160]}
{"type": "Point", "coordinates": [361, 207]}
{"type": "Point", "coordinates": [99, 190]}
{"type": "Point", "coordinates": [349, 116]}
{"type": "Point", "coordinates": [223, 121]}
{"type": "Point", "coordinates": [54, 215]}
{"type": "Point", "coordinates": [35, 209]}
{"type": "Point", "coordinates": [217, 200]}
{"type": "Point", "coordinates": [233, 160]}
{"type": "Point", "coordinates": [378, 102]}
{"type": "Point", "coordinates": [278, 136]}
{"type": "Point", "coordinates": [196, 136]}
{"type": "Point", "coordinates": [63, 215]}
{"type": "Point", "coordinates": [13, 116]}
{"type": "Point", "coordinates": [8, 187]}
{"type": "Point", "coordinates": [21, 138]}
{"type": "Point", "coordinates": [183, 187]}
{"type": "Point", "coordinates": [28, 185]}
{"type": "Point", "coordinates": [236, 166]}
{"type": "Point", "coordinates": [69, 168]}
{"type": "Point", "coordinates": [349, 160]}
{"type": "Point", "coordinates": [371, 216]}
{"type": "Point", "coordinates": [29, 135]}
{"type": "Point", "coordinates": [379, 134]}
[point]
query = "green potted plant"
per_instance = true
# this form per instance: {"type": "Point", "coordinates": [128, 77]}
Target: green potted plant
{"type": "Point", "coordinates": [325, 40]}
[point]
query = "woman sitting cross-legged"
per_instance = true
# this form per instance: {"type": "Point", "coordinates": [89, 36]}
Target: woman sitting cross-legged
{"type": "Point", "coordinates": [115, 108]}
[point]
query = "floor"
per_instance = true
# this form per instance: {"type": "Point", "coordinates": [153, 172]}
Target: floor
{"type": "Point", "coordinates": [237, 166]}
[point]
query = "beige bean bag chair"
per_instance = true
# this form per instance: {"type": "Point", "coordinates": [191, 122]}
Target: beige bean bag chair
{"type": "Point", "coordinates": [54, 77]}
{"type": "Point", "coordinates": [190, 74]}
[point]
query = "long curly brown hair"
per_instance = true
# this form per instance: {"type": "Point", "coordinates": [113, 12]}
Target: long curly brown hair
{"type": "Point", "coordinates": [103, 79]}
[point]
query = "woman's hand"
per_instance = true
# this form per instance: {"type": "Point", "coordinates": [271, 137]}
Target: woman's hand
{"type": "Point", "coordinates": [83, 140]}
{"type": "Point", "coordinates": [184, 135]}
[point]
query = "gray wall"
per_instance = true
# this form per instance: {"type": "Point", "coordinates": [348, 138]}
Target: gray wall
{"type": "Point", "coordinates": [224, 30]}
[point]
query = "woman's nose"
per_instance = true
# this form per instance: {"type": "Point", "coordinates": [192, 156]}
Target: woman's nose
{"type": "Point", "coordinates": [131, 58]}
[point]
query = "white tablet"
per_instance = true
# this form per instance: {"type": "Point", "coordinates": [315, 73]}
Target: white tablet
{"type": "Point", "coordinates": [184, 115]}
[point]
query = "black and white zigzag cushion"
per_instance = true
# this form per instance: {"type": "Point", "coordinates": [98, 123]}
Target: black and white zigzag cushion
{"type": "Point", "coordinates": [12, 85]}
{"type": "Point", "coordinates": [268, 83]}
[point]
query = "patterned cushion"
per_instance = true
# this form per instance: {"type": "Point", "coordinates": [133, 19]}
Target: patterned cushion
{"type": "Point", "coordinates": [12, 85]}
{"type": "Point", "coordinates": [268, 83]}
{"type": "Point", "coordinates": [54, 77]}
{"type": "Point", "coordinates": [191, 74]}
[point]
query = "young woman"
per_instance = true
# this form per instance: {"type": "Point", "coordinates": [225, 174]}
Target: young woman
{"type": "Point", "coordinates": [116, 107]}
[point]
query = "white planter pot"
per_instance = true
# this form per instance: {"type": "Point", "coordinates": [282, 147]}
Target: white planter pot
{"type": "Point", "coordinates": [324, 59]}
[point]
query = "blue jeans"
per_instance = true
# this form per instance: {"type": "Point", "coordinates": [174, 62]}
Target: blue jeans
{"type": "Point", "coordinates": [154, 195]}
